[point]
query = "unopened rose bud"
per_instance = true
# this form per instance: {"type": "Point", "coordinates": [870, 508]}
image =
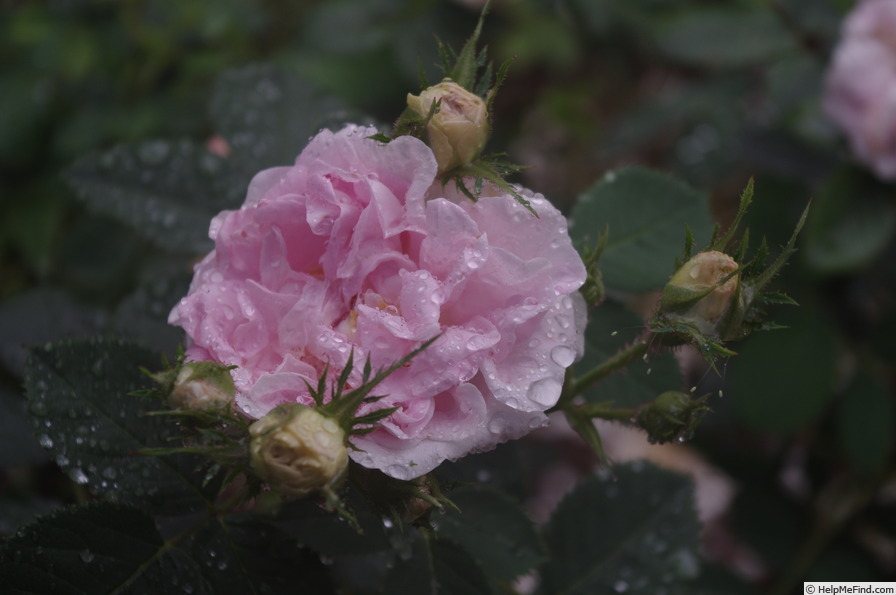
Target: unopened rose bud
{"type": "Point", "coordinates": [298, 450]}
{"type": "Point", "coordinates": [696, 293]}
{"type": "Point", "coordinates": [459, 129]}
{"type": "Point", "coordinates": [202, 385]}
{"type": "Point", "coordinates": [672, 416]}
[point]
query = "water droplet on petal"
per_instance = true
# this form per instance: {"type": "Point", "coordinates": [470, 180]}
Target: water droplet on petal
{"type": "Point", "coordinates": [545, 392]}
{"type": "Point", "coordinates": [563, 356]}
{"type": "Point", "coordinates": [497, 424]}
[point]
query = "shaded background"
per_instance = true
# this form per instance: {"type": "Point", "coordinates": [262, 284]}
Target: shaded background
{"type": "Point", "coordinates": [711, 92]}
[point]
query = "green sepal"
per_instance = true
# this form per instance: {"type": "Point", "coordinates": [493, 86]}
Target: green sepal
{"type": "Point", "coordinates": [594, 289]}
{"type": "Point", "coordinates": [342, 407]}
{"type": "Point", "coordinates": [672, 416]}
{"type": "Point", "coordinates": [583, 424]}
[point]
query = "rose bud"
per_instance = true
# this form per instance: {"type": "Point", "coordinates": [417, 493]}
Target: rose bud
{"type": "Point", "coordinates": [697, 295]}
{"type": "Point", "coordinates": [672, 416]}
{"type": "Point", "coordinates": [298, 450]}
{"type": "Point", "coordinates": [202, 385]}
{"type": "Point", "coordinates": [459, 128]}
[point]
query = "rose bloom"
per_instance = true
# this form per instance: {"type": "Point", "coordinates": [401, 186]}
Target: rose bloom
{"type": "Point", "coordinates": [356, 247]}
{"type": "Point", "coordinates": [860, 90]}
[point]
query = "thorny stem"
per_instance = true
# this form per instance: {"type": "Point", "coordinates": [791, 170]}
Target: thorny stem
{"type": "Point", "coordinates": [616, 362]}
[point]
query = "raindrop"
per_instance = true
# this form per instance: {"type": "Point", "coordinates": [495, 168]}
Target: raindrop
{"type": "Point", "coordinates": [497, 424]}
{"type": "Point", "coordinates": [563, 356]}
{"type": "Point", "coordinates": [620, 586]}
{"type": "Point", "coordinates": [545, 391]}
{"type": "Point", "coordinates": [87, 556]}
{"type": "Point", "coordinates": [483, 475]}
{"type": "Point", "coordinates": [46, 441]}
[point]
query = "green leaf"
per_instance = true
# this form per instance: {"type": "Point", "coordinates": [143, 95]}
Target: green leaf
{"type": "Point", "coordinates": [493, 529]}
{"type": "Point", "coordinates": [647, 214]}
{"type": "Point", "coordinates": [78, 396]}
{"type": "Point", "coordinates": [641, 381]}
{"type": "Point", "coordinates": [326, 532]}
{"type": "Point", "coordinates": [865, 424]}
{"type": "Point", "coordinates": [267, 116]}
{"type": "Point", "coordinates": [782, 381]}
{"type": "Point", "coordinates": [456, 573]}
{"type": "Point", "coordinates": [15, 513]}
{"type": "Point", "coordinates": [723, 38]}
{"type": "Point", "coordinates": [143, 314]}
{"type": "Point", "coordinates": [631, 530]}
{"type": "Point", "coordinates": [853, 220]}
{"type": "Point", "coordinates": [425, 566]}
{"type": "Point", "coordinates": [18, 446]}
{"type": "Point", "coordinates": [98, 548]}
{"type": "Point", "coordinates": [412, 573]}
{"type": "Point", "coordinates": [40, 315]}
{"type": "Point", "coordinates": [167, 191]}
{"type": "Point", "coordinates": [240, 553]}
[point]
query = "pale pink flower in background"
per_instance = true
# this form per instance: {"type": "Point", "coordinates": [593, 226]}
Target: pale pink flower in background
{"type": "Point", "coordinates": [860, 89]}
{"type": "Point", "coordinates": [356, 247]}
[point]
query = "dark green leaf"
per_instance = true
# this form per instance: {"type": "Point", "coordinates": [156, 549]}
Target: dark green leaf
{"type": "Point", "coordinates": [647, 214]}
{"type": "Point", "coordinates": [267, 116]}
{"type": "Point", "coordinates": [326, 532]}
{"type": "Point", "coordinates": [782, 380]}
{"type": "Point", "coordinates": [425, 567]}
{"type": "Point", "coordinates": [493, 529]}
{"type": "Point", "coordinates": [241, 554]}
{"type": "Point", "coordinates": [852, 221]}
{"type": "Point", "coordinates": [15, 513]}
{"type": "Point", "coordinates": [38, 316]}
{"type": "Point", "coordinates": [78, 396]}
{"type": "Point", "coordinates": [168, 191]}
{"type": "Point", "coordinates": [633, 530]}
{"type": "Point", "coordinates": [610, 328]}
{"type": "Point", "coordinates": [412, 572]}
{"type": "Point", "coordinates": [99, 548]}
{"type": "Point", "coordinates": [455, 571]}
{"type": "Point", "coordinates": [18, 446]}
{"type": "Point", "coordinates": [865, 424]}
{"type": "Point", "coordinates": [724, 38]}
{"type": "Point", "coordinates": [99, 257]}
{"type": "Point", "coordinates": [143, 315]}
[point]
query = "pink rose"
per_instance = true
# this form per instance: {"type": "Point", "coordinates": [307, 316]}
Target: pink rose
{"type": "Point", "coordinates": [356, 247]}
{"type": "Point", "coordinates": [860, 91]}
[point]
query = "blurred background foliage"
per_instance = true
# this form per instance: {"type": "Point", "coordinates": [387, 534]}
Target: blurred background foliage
{"type": "Point", "coordinates": [712, 92]}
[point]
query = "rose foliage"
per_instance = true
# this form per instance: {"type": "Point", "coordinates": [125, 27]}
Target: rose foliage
{"type": "Point", "coordinates": [356, 250]}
